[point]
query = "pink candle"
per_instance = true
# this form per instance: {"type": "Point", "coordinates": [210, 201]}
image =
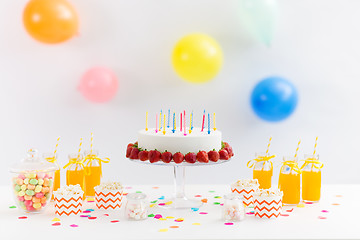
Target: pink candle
{"type": "Point", "coordinates": [184, 124]}
{"type": "Point", "coordinates": [156, 128]}
{"type": "Point", "coordinates": [180, 122]}
{"type": "Point", "coordinates": [203, 122]}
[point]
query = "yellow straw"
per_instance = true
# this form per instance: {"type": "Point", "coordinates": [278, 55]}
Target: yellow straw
{"type": "Point", "coordinates": [214, 123]}
{"type": "Point", "coordinates": [80, 147]}
{"type": "Point", "coordinates": [164, 125]}
{"type": "Point", "coordinates": [315, 145]}
{"type": "Point", "coordinates": [268, 146]}
{"type": "Point", "coordinates": [146, 128]}
{"type": "Point", "coordinates": [297, 149]}
{"type": "Point", "coordinates": [56, 146]}
{"type": "Point", "coordinates": [91, 142]}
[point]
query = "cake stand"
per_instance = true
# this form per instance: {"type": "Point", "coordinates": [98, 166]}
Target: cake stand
{"type": "Point", "coordinates": [179, 200]}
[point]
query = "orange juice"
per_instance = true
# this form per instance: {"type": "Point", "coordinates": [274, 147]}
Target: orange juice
{"type": "Point", "coordinates": [264, 178]}
{"type": "Point", "coordinates": [57, 179]}
{"type": "Point", "coordinates": [289, 183]}
{"type": "Point", "coordinates": [311, 186]}
{"type": "Point", "coordinates": [74, 177]}
{"type": "Point", "coordinates": [92, 179]}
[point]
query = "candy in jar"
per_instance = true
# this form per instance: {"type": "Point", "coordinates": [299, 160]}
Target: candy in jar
{"type": "Point", "coordinates": [136, 206]}
{"type": "Point", "coordinates": [32, 182]}
{"type": "Point", "coordinates": [233, 209]}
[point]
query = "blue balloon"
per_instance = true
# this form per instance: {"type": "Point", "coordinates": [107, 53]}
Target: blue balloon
{"type": "Point", "coordinates": [274, 99]}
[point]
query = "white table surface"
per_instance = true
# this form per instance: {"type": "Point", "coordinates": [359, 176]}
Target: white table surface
{"type": "Point", "coordinates": [342, 221]}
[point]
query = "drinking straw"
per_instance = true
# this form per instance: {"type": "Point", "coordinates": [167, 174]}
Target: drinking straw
{"type": "Point", "coordinates": [315, 146]}
{"type": "Point", "coordinates": [297, 149]}
{"type": "Point", "coordinates": [268, 146]}
{"type": "Point", "coordinates": [91, 143]}
{"type": "Point", "coordinates": [56, 146]}
{"type": "Point", "coordinates": [80, 147]}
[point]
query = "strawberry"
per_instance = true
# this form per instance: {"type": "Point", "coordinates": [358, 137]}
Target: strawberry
{"type": "Point", "coordinates": [224, 145]}
{"type": "Point", "coordinates": [202, 156]}
{"type": "Point", "coordinates": [224, 155]}
{"type": "Point", "coordinates": [230, 151]}
{"type": "Point", "coordinates": [128, 149]}
{"type": "Point", "coordinates": [143, 155]}
{"type": "Point", "coordinates": [190, 157]}
{"type": "Point", "coordinates": [213, 156]}
{"type": "Point", "coordinates": [166, 156]}
{"type": "Point", "coordinates": [134, 153]}
{"type": "Point", "coordinates": [178, 157]}
{"type": "Point", "coordinates": [154, 156]}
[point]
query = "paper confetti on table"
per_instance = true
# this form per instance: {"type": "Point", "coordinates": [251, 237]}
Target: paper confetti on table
{"type": "Point", "coordinates": [114, 221]}
{"type": "Point", "coordinates": [168, 203]}
{"type": "Point", "coordinates": [250, 213]}
{"type": "Point", "coordinates": [155, 187]}
{"type": "Point", "coordinates": [151, 215]}
{"type": "Point", "coordinates": [203, 213]}
{"type": "Point", "coordinates": [338, 195]}
{"type": "Point", "coordinates": [154, 201]}
{"type": "Point", "coordinates": [301, 205]}
{"type": "Point", "coordinates": [162, 219]}
{"type": "Point", "coordinates": [179, 220]}
{"type": "Point", "coordinates": [128, 187]}
{"type": "Point", "coordinates": [161, 204]}
{"type": "Point", "coordinates": [309, 203]}
{"type": "Point", "coordinates": [161, 198]}
{"type": "Point", "coordinates": [217, 197]}
{"type": "Point", "coordinates": [194, 209]}
{"type": "Point", "coordinates": [12, 207]}
{"type": "Point", "coordinates": [325, 211]}
{"type": "Point", "coordinates": [321, 217]}
{"type": "Point", "coordinates": [284, 215]}
{"type": "Point", "coordinates": [105, 214]}
{"type": "Point", "coordinates": [86, 211]}
{"type": "Point", "coordinates": [152, 205]}
{"type": "Point", "coordinates": [174, 227]}
{"type": "Point", "coordinates": [216, 203]}
{"type": "Point", "coordinates": [336, 204]}
{"type": "Point", "coordinates": [197, 195]}
{"type": "Point", "coordinates": [229, 223]}
{"type": "Point", "coordinates": [157, 216]}
{"type": "Point", "coordinates": [56, 224]}
{"type": "Point", "coordinates": [85, 216]}
{"type": "Point", "coordinates": [204, 200]}
{"type": "Point", "coordinates": [212, 191]}
{"type": "Point", "coordinates": [138, 191]}
{"type": "Point", "coordinates": [74, 225]}
{"type": "Point", "coordinates": [90, 199]}
{"type": "Point", "coordinates": [196, 224]}
{"type": "Point", "coordinates": [56, 220]}
{"type": "Point", "coordinates": [170, 217]}
{"type": "Point", "coordinates": [23, 217]}
{"type": "Point", "coordinates": [163, 230]}
{"type": "Point", "coordinates": [90, 209]}
{"type": "Point", "coordinates": [289, 210]}
{"type": "Point", "coordinates": [92, 218]}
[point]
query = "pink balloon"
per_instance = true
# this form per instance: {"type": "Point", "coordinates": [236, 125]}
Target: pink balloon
{"type": "Point", "coordinates": [98, 84]}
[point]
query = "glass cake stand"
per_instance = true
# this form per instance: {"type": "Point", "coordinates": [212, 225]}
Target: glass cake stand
{"type": "Point", "coordinates": [179, 200]}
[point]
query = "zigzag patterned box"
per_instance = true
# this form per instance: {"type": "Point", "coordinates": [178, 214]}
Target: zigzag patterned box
{"type": "Point", "coordinates": [68, 205]}
{"type": "Point", "coordinates": [245, 188]}
{"type": "Point", "coordinates": [267, 206]}
{"type": "Point", "coordinates": [105, 199]}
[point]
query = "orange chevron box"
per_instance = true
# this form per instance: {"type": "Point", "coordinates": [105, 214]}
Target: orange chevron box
{"type": "Point", "coordinates": [267, 206]}
{"type": "Point", "coordinates": [106, 199]}
{"type": "Point", "coordinates": [245, 192]}
{"type": "Point", "coordinates": [68, 205]}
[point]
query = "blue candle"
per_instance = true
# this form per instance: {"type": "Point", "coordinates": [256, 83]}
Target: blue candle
{"type": "Point", "coordinates": [168, 125]}
{"type": "Point", "coordinates": [174, 127]}
{"type": "Point", "coordinates": [160, 127]}
{"type": "Point", "coordinates": [208, 123]}
{"type": "Point", "coordinates": [192, 120]}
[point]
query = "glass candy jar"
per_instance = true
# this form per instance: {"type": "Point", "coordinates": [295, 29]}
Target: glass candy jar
{"type": "Point", "coordinates": [136, 206]}
{"type": "Point", "coordinates": [233, 209]}
{"type": "Point", "coordinates": [32, 182]}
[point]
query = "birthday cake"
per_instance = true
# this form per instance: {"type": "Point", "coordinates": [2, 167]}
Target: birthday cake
{"type": "Point", "coordinates": [184, 145]}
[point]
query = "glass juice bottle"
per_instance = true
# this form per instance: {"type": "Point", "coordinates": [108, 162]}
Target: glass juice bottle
{"type": "Point", "coordinates": [263, 171]}
{"type": "Point", "coordinates": [289, 181]}
{"type": "Point", "coordinates": [311, 178]}
{"type": "Point", "coordinates": [50, 157]}
{"type": "Point", "coordinates": [75, 172]}
{"type": "Point", "coordinates": [92, 172]}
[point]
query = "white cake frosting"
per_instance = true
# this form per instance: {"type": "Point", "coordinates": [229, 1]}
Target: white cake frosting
{"type": "Point", "coordinates": [177, 142]}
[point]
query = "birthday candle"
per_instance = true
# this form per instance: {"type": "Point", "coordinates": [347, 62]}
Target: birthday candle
{"type": "Point", "coordinates": [168, 125]}
{"type": "Point", "coordinates": [191, 120]}
{"type": "Point", "coordinates": [203, 122]}
{"type": "Point", "coordinates": [174, 123]}
{"type": "Point", "coordinates": [180, 122]}
{"type": "Point", "coordinates": [160, 123]}
{"type": "Point", "coordinates": [164, 125]}
{"type": "Point", "coordinates": [214, 123]}
{"type": "Point", "coordinates": [208, 123]}
{"type": "Point", "coordinates": [156, 128]}
{"type": "Point", "coordinates": [184, 124]}
{"type": "Point", "coordinates": [146, 127]}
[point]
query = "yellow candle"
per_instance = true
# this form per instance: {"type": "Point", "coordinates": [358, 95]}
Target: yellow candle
{"type": "Point", "coordinates": [164, 125]}
{"type": "Point", "coordinates": [146, 127]}
{"type": "Point", "coordinates": [214, 123]}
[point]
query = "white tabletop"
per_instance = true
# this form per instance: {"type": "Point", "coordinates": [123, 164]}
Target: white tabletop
{"type": "Point", "coordinates": [340, 222]}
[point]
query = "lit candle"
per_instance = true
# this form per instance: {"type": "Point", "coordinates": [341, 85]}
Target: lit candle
{"type": "Point", "coordinates": [190, 128]}
{"type": "Point", "coordinates": [208, 123]}
{"type": "Point", "coordinates": [214, 123]}
{"type": "Point", "coordinates": [160, 123]}
{"type": "Point", "coordinates": [164, 125]}
{"type": "Point", "coordinates": [156, 128]}
{"type": "Point", "coordinates": [146, 127]}
{"type": "Point", "coordinates": [168, 125]}
{"type": "Point", "coordinates": [174, 123]}
{"type": "Point", "coordinates": [203, 122]}
{"type": "Point", "coordinates": [180, 122]}
{"type": "Point", "coordinates": [184, 124]}
{"type": "Point", "coordinates": [192, 120]}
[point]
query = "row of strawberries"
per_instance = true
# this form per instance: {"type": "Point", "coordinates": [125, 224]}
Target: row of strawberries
{"type": "Point", "coordinates": [134, 152]}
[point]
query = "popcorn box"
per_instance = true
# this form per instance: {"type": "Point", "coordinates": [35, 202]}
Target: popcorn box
{"type": "Point", "coordinates": [245, 192]}
{"type": "Point", "coordinates": [105, 198]}
{"type": "Point", "coordinates": [68, 204]}
{"type": "Point", "coordinates": [267, 206]}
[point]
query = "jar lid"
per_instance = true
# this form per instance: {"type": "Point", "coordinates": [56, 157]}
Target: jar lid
{"type": "Point", "coordinates": [32, 162]}
{"type": "Point", "coordinates": [233, 196]}
{"type": "Point", "coordinates": [136, 196]}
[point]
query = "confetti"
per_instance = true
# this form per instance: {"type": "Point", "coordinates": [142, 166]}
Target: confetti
{"type": "Point", "coordinates": [320, 217]}
{"type": "Point", "coordinates": [212, 191]}
{"type": "Point", "coordinates": [105, 214]}
{"type": "Point", "coordinates": [152, 205]}
{"type": "Point", "coordinates": [284, 215]}
{"type": "Point", "coordinates": [125, 193]}
{"type": "Point", "coordinates": [309, 203]}
{"type": "Point", "coordinates": [289, 210]}
{"type": "Point", "coordinates": [216, 203]}
{"type": "Point", "coordinates": [56, 224]}
{"type": "Point", "coordinates": [85, 216]}
{"type": "Point", "coordinates": [162, 219]}
{"type": "Point", "coordinates": [56, 220]}
{"type": "Point", "coordinates": [161, 198]}
{"type": "Point", "coordinates": [338, 195]}
{"type": "Point", "coordinates": [91, 210]}
{"type": "Point", "coordinates": [222, 204]}
{"type": "Point", "coordinates": [154, 201]}
{"type": "Point", "coordinates": [163, 230]}
{"type": "Point", "coordinates": [157, 216]}
{"type": "Point", "coordinates": [196, 224]}
{"type": "Point", "coordinates": [12, 207]}
{"type": "Point", "coordinates": [250, 213]}
{"type": "Point", "coordinates": [204, 200]}
{"type": "Point", "coordinates": [23, 217]}
{"type": "Point", "coordinates": [197, 195]}
{"type": "Point", "coordinates": [151, 215]}
{"type": "Point", "coordinates": [325, 211]}
{"type": "Point", "coordinates": [128, 187]}
{"type": "Point", "coordinates": [155, 187]}
{"type": "Point", "coordinates": [229, 223]}
{"type": "Point", "coordinates": [336, 204]}
{"type": "Point", "coordinates": [170, 217]}
{"type": "Point", "coordinates": [74, 225]}
{"type": "Point", "coordinates": [301, 205]}
{"type": "Point", "coordinates": [174, 227]}
{"type": "Point", "coordinates": [86, 211]}
{"type": "Point", "coordinates": [251, 206]}
{"type": "Point", "coordinates": [179, 220]}
{"type": "Point", "coordinates": [92, 218]}
{"type": "Point", "coordinates": [168, 203]}
{"type": "Point", "coordinates": [114, 221]}
{"type": "Point", "coordinates": [138, 191]}
{"type": "Point", "coordinates": [90, 199]}
{"type": "Point", "coordinates": [217, 197]}
{"type": "Point", "coordinates": [203, 213]}
{"type": "Point", "coordinates": [194, 209]}
{"type": "Point", "coordinates": [161, 204]}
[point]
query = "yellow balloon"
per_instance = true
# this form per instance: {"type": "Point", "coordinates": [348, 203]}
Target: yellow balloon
{"type": "Point", "coordinates": [197, 58]}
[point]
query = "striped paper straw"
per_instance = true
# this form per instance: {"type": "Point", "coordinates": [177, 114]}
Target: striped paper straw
{"type": "Point", "coordinates": [297, 149]}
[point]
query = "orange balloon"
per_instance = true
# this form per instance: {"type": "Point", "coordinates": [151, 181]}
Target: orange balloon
{"type": "Point", "coordinates": [50, 21]}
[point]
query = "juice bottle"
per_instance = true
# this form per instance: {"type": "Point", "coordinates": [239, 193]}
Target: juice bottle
{"type": "Point", "coordinates": [311, 178]}
{"type": "Point", "coordinates": [263, 170]}
{"type": "Point", "coordinates": [92, 172]}
{"type": "Point", "coordinates": [289, 181]}
{"type": "Point", "coordinates": [50, 157]}
{"type": "Point", "coordinates": [75, 173]}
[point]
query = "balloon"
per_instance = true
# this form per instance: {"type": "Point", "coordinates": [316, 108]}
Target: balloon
{"type": "Point", "coordinates": [50, 21]}
{"type": "Point", "coordinates": [197, 58]}
{"type": "Point", "coordinates": [274, 99]}
{"type": "Point", "coordinates": [259, 17]}
{"type": "Point", "coordinates": [98, 84]}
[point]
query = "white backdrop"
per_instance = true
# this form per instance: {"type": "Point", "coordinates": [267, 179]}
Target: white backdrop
{"type": "Point", "coordinates": [316, 46]}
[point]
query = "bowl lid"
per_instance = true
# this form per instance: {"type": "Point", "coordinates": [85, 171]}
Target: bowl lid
{"type": "Point", "coordinates": [32, 162]}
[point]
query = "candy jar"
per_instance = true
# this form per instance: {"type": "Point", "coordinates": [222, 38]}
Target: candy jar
{"type": "Point", "coordinates": [136, 206]}
{"type": "Point", "coordinates": [289, 181]}
{"type": "Point", "coordinates": [75, 173]}
{"type": "Point", "coordinates": [32, 182]}
{"type": "Point", "coordinates": [93, 171]}
{"type": "Point", "coordinates": [52, 158]}
{"type": "Point", "coordinates": [262, 169]}
{"type": "Point", "coordinates": [311, 178]}
{"type": "Point", "coordinates": [233, 209]}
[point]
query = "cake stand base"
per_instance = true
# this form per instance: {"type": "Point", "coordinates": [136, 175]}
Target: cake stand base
{"type": "Point", "coordinates": [181, 203]}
